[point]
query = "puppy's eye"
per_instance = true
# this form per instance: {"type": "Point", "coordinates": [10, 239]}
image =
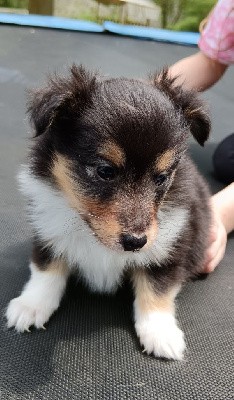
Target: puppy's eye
{"type": "Point", "coordinates": [160, 179]}
{"type": "Point", "coordinates": [106, 172]}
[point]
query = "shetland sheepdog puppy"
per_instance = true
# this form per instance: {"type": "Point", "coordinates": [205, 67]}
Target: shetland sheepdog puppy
{"type": "Point", "coordinates": [113, 195]}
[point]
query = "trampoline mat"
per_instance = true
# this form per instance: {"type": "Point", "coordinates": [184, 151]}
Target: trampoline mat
{"type": "Point", "coordinates": [89, 349]}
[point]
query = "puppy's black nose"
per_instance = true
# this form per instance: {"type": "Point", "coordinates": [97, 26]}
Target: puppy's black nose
{"type": "Point", "coordinates": [133, 243]}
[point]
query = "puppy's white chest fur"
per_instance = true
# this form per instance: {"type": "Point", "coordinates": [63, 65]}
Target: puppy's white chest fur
{"type": "Point", "coordinates": [63, 228]}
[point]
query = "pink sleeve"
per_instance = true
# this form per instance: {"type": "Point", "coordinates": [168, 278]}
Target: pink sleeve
{"type": "Point", "coordinates": [217, 38]}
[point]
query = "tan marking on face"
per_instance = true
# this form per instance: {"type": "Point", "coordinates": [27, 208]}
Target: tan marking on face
{"type": "Point", "coordinates": [151, 233]}
{"type": "Point", "coordinates": [101, 217]}
{"type": "Point", "coordinates": [165, 160]}
{"type": "Point", "coordinates": [62, 173]}
{"type": "Point", "coordinates": [146, 297]}
{"type": "Point", "coordinates": [113, 153]}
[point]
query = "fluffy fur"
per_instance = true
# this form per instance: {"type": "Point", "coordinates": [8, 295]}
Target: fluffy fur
{"type": "Point", "coordinates": [112, 193]}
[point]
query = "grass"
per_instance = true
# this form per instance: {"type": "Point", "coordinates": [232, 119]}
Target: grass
{"type": "Point", "coordinates": [14, 3]}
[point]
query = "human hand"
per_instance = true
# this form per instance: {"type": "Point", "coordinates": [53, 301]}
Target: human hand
{"type": "Point", "coordinates": [218, 240]}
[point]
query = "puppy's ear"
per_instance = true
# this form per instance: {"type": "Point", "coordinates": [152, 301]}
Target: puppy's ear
{"type": "Point", "coordinates": [61, 97]}
{"type": "Point", "coordinates": [188, 102]}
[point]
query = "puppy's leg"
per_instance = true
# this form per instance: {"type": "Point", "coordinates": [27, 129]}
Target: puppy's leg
{"type": "Point", "coordinates": [40, 297]}
{"type": "Point", "coordinates": [155, 322]}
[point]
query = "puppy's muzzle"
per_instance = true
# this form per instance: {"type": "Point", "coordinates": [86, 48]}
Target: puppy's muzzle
{"type": "Point", "coordinates": [133, 243]}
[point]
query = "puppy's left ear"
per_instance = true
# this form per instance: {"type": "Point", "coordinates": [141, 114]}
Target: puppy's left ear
{"type": "Point", "coordinates": [194, 110]}
{"type": "Point", "coordinates": [60, 99]}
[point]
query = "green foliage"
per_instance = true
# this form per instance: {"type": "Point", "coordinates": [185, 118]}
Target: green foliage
{"type": "Point", "coordinates": [14, 3]}
{"type": "Point", "coordinates": [184, 15]}
{"type": "Point", "coordinates": [196, 9]}
{"type": "Point", "coordinates": [188, 24]}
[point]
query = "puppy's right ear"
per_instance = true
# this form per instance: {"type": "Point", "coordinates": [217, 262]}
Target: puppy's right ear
{"type": "Point", "coordinates": [61, 97]}
{"type": "Point", "coordinates": [188, 103]}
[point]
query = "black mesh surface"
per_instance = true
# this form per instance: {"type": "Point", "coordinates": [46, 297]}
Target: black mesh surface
{"type": "Point", "coordinates": [89, 350]}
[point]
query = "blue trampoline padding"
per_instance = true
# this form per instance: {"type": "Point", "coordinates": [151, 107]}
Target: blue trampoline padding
{"type": "Point", "coordinates": [45, 21]}
{"type": "Point", "coordinates": [162, 35]}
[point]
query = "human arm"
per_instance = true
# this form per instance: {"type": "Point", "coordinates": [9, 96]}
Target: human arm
{"type": "Point", "coordinates": [206, 67]}
{"type": "Point", "coordinates": [223, 202]}
{"type": "Point", "coordinates": [222, 206]}
{"type": "Point", "coordinates": [197, 71]}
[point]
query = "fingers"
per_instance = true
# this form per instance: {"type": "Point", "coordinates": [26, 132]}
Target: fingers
{"type": "Point", "coordinates": [217, 241]}
{"type": "Point", "coordinates": [216, 260]}
{"type": "Point", "coordinates": [213, 235]}
{"type": "Point", "coordinates": [216, 250]}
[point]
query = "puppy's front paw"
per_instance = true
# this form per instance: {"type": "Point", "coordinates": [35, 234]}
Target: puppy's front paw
{"type": "Point", "coordinates": [160, 335]}
{"type": "Point", "coordinates": [22, 313]}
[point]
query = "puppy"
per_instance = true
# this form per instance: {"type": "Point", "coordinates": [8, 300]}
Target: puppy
{"type": "Point", "coordinates": [112, 193]}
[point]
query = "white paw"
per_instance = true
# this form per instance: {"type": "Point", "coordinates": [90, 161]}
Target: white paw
{"type": "Point", "coordinates": [159, 334]}
{"type": "Point", "coordinates": [22, 313]}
